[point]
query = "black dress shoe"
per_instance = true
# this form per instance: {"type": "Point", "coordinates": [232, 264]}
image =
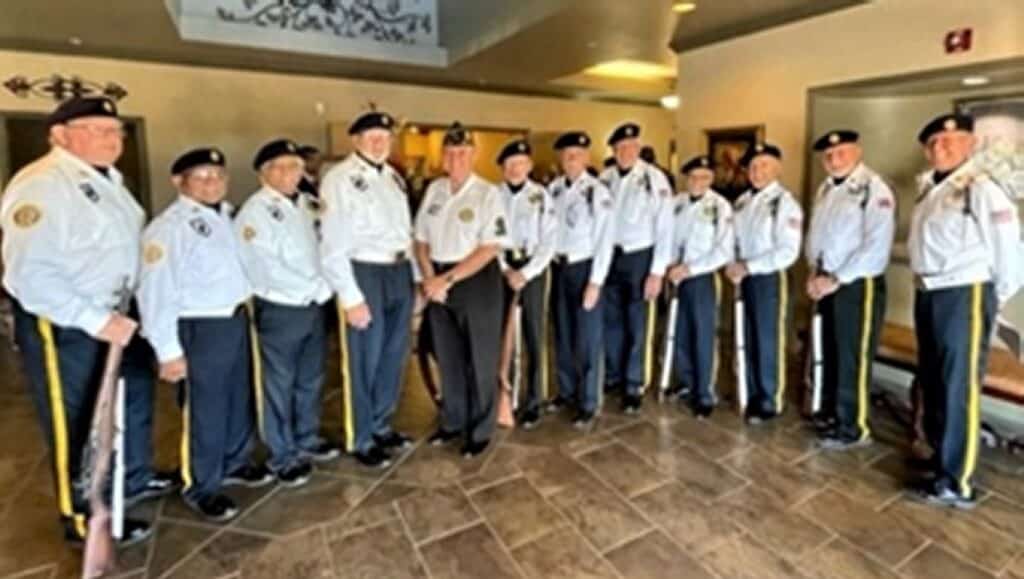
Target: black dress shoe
{"type": "Point", "coordinates": [249, 476]}
{"type": "Point", "coordinates": [611, 389]}
{"type": "Point", "coordinates": [702, 411]}
{"type": "Point", "coordinates": [323, 452]}
{"type": "Point", "coordinates": [295, 476]}
{"type": "Point", "coordinates": [393, 441]}
{"type": "Point", "coordinates": [474, 449]}
{"type": "Point", "coordinates": [528, 419]}
{"type": "Point", "coordinates": [584, 419]}
{"type": "Point", "coordinates": [837, 442]}
{"type": "Point", "coordinates": [442, 436]}
{"type": "Point", "coordinates": [161, 485]}
{"type": "Point", "coordinates": [824, 423]}
{"type": "Point", "coordinates": [631, 404]}
{"type": "Point", "coordinates": [557, 404]}
{"type": "Point", "coordinates": [214, 508]}
{"type": "Point", "coordinates": [374, 457]}
{"type": "Point", "coordinates": [135, 531]}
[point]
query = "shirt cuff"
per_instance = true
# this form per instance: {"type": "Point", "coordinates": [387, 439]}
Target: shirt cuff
{"type": "Point", "coordinates": [169, 351]}
{"type": "Point", "coordinates": [92, 320]}
{"type": "Point", "coordinates": [351, 296]}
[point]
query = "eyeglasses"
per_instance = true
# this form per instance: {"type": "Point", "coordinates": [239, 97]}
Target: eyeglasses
{"type": "Point", "coordinates": [98, 131]}
{"type": "Point", "coordinates": [207, 174]}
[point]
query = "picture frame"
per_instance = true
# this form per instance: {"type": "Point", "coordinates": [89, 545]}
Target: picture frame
{"type": "Point", "coordinates": [725, 147]}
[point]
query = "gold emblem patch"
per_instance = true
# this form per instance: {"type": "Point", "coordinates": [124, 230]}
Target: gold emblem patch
{"type": "Point", "coordinates": [833, 138]}
{"type": "Point", "coordinates": [27, 215]}
{"type": "Point", "coordinates": [950, 125]}
{"type": "Point", "coordinates": [248, 233]}
{"type": "Point", "coordinates": [466, 215]}
{"type": "Point", "coordinates": [153, 253]}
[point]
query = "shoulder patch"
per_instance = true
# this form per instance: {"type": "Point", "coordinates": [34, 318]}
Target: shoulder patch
{"type": "Point", "coordinates": [153, 253]}
{"type": "Point", "coordinates": [466, 215]}
{"type": "Point", "coordinates": [200, 226]}
{"type": "Point", "coordinates": [275, 212]}
{"type": "Point", "coordinates": [248, 233]}
{"type": "Point", "coordinates": [27, 215]}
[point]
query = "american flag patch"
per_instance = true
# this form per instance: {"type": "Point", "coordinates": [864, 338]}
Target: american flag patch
{"type": "Point", "coordinates": [885, 203]}
{"type": "Point", "coordinates": [1002, 217]}
{"type": "Point", "coordinates": [794, 222]}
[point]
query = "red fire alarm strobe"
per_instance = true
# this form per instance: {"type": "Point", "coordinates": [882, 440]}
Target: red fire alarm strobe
{"type": "Point", "coordinates": [959, 40]}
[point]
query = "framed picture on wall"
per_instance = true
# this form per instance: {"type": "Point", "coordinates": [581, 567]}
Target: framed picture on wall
{"type": "Point", "coordinates": [999, 127]}
{"type": "Point", "coordinates": [725, 147]}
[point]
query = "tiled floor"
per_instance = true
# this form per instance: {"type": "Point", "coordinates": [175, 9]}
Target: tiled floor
{"type": "Point", "coordinates": [661, 495]}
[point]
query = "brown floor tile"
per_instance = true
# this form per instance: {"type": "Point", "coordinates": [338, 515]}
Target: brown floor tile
{"type": "Point", "coordinates": [377, 507]}
{"type": "Point", "coordinates": [31, 537]}
{"type": "Point", "coordinates": [222, 556]}
{"type": "Point", "coordinates": [435, 511]}
{"type": "Point", "coordinates": [597, 512]}
{"type": "Point", "coordinates": [888, 536]}
{"type": "Point", "coordinates": [563, 553]}
{"type": "Point", "coordinates": [841, 560]}
{"type": "Point", "coordinates": [299, 556]}
{"type": "Point", "coordinates": [934, 562]}
{"type": "Point", "coordinates": [1006, 484]}
{"type": "Point", "coordinates": [651, 555]}
{"type": "Point", "coordinates": [469, 554]}
{"type": "Point", "coordinates": [700, 475]}
{"type": "Point", "coordinates": [961, 532]}
{"type": "Point", "coordinates": [782, 482]}
{"type": "Point", "coordinates": [558, 474]}
{"type": "Point", "coordinates": [174, 543]}
{"type": "Point", "coordinates": [517, 512]}
{"type": "Point", "coordinates": [690, 523]}
{"type": "Point", "coordinates": [377, 552]}
{"type": "Point", "coordinates": [713, 441]}
{"type": "Point", "coordinates": [1015, 570]}
{"type": "Point", "coordinates": [623, 469]}
{"type": "Point", "coordinates": [323, 499]}
{"type": "Point", "coordinates": [785, 532]}
{"type": "Point", "coordinates": [435, 466]}
{"type": "Point", "coordinates": [1003, 515]}
{"type": "Point", "coordinates": [504, 463]}
{"type": "Point", "coordinates": [645, 438]}
{"type": "Point", "coordinates": [788, 444]}
{"type": "Point", "coordinates": [745, 558]}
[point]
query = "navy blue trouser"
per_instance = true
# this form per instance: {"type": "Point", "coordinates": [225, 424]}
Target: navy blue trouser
{"type": "Point", "coordinates": [628, 322]}
{"type": "Point", "coordinates": [765, 306]}
{"type": "Point", "coordinates": [466, 330]}
{"type": "Point", "coordinates": [64, 368]}
{"type": "Point", "coordinates": [374, 358]}
{"type": "Point", "coordinates": [953, 327]}
{"type": "Point", "coordinates": [290, 374]}
{"type": "Point", "coordinates": [696, 356]}
{"type": "Point", "coordinates": [534, 322]}
{"type": "Point", "coordinates": [851, 323]}
{"type": "Point", "coordinates": [577, 336]}
{"type": "Point", "coordinates": [217, 411]}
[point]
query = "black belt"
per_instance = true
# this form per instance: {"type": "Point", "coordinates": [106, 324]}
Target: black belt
{"type": "Point", "coordinates": [442, 268]}
{"type": "Point", "coordinates": [517, 258]}
{"type": "Point", "coordinates": [620, 251]}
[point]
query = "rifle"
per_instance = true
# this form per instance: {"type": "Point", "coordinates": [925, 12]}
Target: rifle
{"type": "Point", "coordinates": [817, 355]}
{"type": "Point", "coordinates": [106, 441]}
{"type": "Point", "coordinates": [670, 339]}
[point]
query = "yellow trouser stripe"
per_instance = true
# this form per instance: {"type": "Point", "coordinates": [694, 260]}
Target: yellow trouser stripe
{"type": "Point", "coordinates": [780, 362]}
{"type": "Point", "coordinates": [865, 357]}
{"type": "Point", "coordinates": [186, 433]}
{"type": "Point", "coordinates": [544, 336]}
{"type": "Point", "coordinates": [257, 367]}
{"type": "Point", "coordinates": [58, 419]}
{"type": "Point", "coordinates": [973, 390]}
{"type": "Point", "coordinates": [649, 345]}
{"type": "Point", "coordinates": [714, 336]}
{"type": "Point", "coordinates": [346, 382]}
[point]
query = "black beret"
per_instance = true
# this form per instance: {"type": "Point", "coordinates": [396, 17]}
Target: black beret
{"type": "Point", "coordinates": [626, 131]}
{"type": "Point", "coordinates": [308, 150]}
{"type": "Point", "coordinates": [572, 139]}
{"type": "Point", "coordinates": [457, 136]}
{"type": "Point", "coordinates": [197, 157]}
{"type": "Point", "coordinates": [952, 122]}
{"type": "Point", "coordinates": [78, 107]}
{"type": "Point", "coordinates": [758, 150]}
{"type": "Point", "coordinates": [698, 162]}
{"type": "Point", "coordinates": [837, 137]}
{"type": "Point", "coordinates": [516, 147]}
{"type": "Point", "coordinates": [273, 150]}
{"type": "Point", "coordinates": [371, 120]}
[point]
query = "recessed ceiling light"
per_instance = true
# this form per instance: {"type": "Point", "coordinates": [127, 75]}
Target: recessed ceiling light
{"type": "Point", "coordinates": [75, 41]}
{"type": "Point", "coordinates": [683, 7]}
{"type": "Point", "coordinates": [975, 81]}
{"type": "Point", "coordinates": [632, 70]}
{"type": "Point", "coordinates": [670, 102]}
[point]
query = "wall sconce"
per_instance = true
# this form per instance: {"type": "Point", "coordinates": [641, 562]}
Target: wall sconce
{"type": "Point", "coordinates": [60, 88]}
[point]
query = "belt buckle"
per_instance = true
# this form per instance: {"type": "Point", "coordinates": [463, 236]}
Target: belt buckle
{"type": "Point", "coordinates": [400, 256]}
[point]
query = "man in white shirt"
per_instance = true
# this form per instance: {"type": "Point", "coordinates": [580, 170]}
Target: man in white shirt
{"type": "Point", "coordinates": [965, 254]}
{"type": "Point", "coordinates": [703, 244]}
{"type": "Point", "coordinates": [848, 247]}
{"type": "Point", "coordinates": [460, 229]}
{"type": "Point", "coordinates": [366, 255]}
{"type": "Point", "coordinates": [768, 224]}
{"type": "Point", "coordinates": [192, 297]}
{"type": "Point", "coordinates": [282, 260]}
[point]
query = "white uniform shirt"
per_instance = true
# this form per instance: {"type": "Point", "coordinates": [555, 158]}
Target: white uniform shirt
{"type": "Point", "coordinates": [533, 225]}
{"type": "Point", "coordinates": [965, 231]}
{"type": "Point", "coordinates": [643, 207]}
{"type": "Point", "coordinates": [280, 250]}
{"type": "Point", "coordinates": [192, 268]}
{"type": "Point", "coordinates": [586, 223]}
{"type": "Point", "coordinates": [71, 240]}
{"type": "Point", "coordinates": [852, 226]}
{"type": "Point", "coordinates": [456, 224]}
{"type": "Point", "coordinates": [768, 229]}
{"type": "Point", "coordinates": [703, 231]}
{"type": "Point", "coordinates": [364, 217]}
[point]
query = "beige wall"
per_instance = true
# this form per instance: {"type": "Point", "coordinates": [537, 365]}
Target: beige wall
{"type": "Point", "coordinates": [191, 106]}
{"type": "Point", "coordinates": [764, 77]}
